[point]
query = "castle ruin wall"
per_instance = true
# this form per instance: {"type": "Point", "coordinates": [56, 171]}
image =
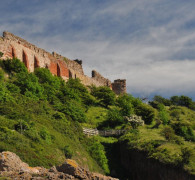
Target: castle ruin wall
{"type": "Point", "coordinates": [33, 57]}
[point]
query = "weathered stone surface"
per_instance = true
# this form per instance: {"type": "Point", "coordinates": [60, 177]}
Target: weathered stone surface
{"type": "Point", "coordinates": [12, 167]}
{"type": "Point", "coordinates": [72, 168]}
{"type": "Point", "coordinates": [11, 162]}
{"type": "Point", "coordinates": [119, 86]}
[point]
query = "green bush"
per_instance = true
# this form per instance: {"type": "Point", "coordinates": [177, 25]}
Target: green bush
{"type": "Point", "coordinates": [124, 102]}
{"type": "Point", "coordinates": [104, 94]}
{"type": "Point", "coordinates": [184, 131]}
{"type": "Point", "coordinates": [113, 119]}
{"type": "Point", "coordinates": [168, 133]}
{"type": "Point", "coordinates": [146, 111]}
{"type": "Point", "coordinates": [68, 152]}
{"type": "Point", "coordinates": [13, 66]}
{"type": "Point", "coordinates": [97, 151]}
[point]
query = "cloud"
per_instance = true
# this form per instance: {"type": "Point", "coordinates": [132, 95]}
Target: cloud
{"type": "Point", "coordinates": [150, 43]}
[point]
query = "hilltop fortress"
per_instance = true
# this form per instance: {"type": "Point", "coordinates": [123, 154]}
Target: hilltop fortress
{"type": "Point", "coordinates": [12, 46]}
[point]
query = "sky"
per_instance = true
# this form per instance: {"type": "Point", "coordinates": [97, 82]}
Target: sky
{"type": "Point", "coordinates": [150, 43]}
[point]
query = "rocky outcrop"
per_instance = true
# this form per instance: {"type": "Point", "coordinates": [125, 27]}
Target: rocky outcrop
{"type": "Point", "coordinates": [72, 168]}
{"type": "Point", "coordinates": [12, 167]}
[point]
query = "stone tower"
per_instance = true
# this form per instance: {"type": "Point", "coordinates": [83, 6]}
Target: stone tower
{"type": "Point", "coordinates": [119, 86]}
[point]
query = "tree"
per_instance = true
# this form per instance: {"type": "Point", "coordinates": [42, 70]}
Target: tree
{"type": "Point", "coordinates": [163, 114]}
{"type": "Point", "coordinates": [183, 101]}
{"type": "Point", "coordinates": [146, 111]}
{"type": "Point", "coordinates": [124, 102]}
{"type": "Point", "coordinates": [105, 95]}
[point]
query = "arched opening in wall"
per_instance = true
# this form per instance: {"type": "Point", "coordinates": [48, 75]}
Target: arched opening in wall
{"type": "Point", "coordinates": [13, 52]}
{"type": "Point", "coordinates": [75, 76]}
{"type": "Point", "coordinates": [36, 63]}
{"type": "Point", "coordinates": [58, 70]}
{"type": "Point", "coordinates": [25, 59]}
{"type": "Point", "coordinates": [70, 74]}
{"type": "Point", "coordinates": [47, 67]}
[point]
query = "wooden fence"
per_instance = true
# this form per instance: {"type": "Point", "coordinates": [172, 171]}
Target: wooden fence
{"type": "Point", "coordinates": [111, 132]}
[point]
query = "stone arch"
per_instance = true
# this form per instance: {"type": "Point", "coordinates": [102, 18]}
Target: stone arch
{"type": "Point", "coordinates": [36, 62]}
{"type": "Point", "coordinates": [13, 52]}
{"type": "Point", "coordinates": [25, 59]}
{"type": "Point", "coordinates": [58, 70]}
{"type": "Point", "coordinates": [75, 76]}
{"type": "Point", "coordinates": [70, 74]}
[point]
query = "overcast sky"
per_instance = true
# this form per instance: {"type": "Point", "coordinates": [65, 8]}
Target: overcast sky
{"type": "Point", "coordinates": [151, 43]}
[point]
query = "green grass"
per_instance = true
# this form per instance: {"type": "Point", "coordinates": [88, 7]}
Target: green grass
{"type": "Point", "coordinates": [95, 116]}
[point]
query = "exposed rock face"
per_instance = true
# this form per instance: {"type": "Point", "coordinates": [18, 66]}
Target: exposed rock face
{"type": "Point", "coordinates": [11, 166]}
{"type": "Point", "coordinates": [72, 168]}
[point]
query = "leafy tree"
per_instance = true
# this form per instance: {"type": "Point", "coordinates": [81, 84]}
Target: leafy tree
{"type": "Point", "coordinates": [13, 66]}
{"type": "Point", "coordinates": [29, 85]}
{"type": "Point", "coordinates": [183, 101]}
{"type": "Point", "coordinates": [124, 102]}
{"type": "Point", "coordinates": [50, 83]}
{"type": "Point", "coordinates": [163, 114]}
{"type": "Point", "coordinates": [159, 100]}
{"type": "Point", "coordinates": [146, 111]}
{"type": "Point", "coordinates": [104, 94]}
{"type": "Point", "coordinates": [97, 151]}
{"type": "Point", "coordinates": [184, 130]}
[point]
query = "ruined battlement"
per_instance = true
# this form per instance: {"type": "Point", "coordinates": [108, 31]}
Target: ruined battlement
{"type": "Point", "coordinates": [119, 86]}
{"type": "Point", "coordinates": [97, 76]}
{"type": "Point", "coordinates": [34, 57]}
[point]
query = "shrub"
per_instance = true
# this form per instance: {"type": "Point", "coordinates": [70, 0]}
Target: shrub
{"type": "Point", "coordinates": [168, 133]}
{"type": "Point", "coordinates": [113, 119]}
{"type": "Point", "coordinates": [13, 66]}
{"type": "Point", "coordinates": [124, 102]}
{"type": "Point", "coordinates": [184, 131]}
{"type": "Point", "coordinates": [163, 114]}
{"type": "Point", "coordinates": [186, 153]}
{"type": "Point", "coordinates": [146, 111]}
{"type": "Point", "coordinates": [97, 151]}
{"type": "Point", "coordinates": [104, 94]}
{"type": "Point", "coordinates": [45, 135]}
{"type": "Point", "coordinates": [68, 152]}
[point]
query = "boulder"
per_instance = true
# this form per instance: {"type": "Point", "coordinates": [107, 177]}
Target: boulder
{"type": "Point", "coordinates": [71, 167]}
{"type": "Point", "coordinates": [11, 162]}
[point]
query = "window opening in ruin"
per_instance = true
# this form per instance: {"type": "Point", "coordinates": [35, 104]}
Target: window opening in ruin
{"type": "Point", "coordinates": [13, 53]}
{"type": "Point", "coordinates": [25, 59]}
{"type": "Point", "coordinates": [58, 70]}
{"type": "Point", "coordinates": [36, 62]}
{"type": "Point", "coordinates": [70, 74]}
{"type": "Point", "coordinates": [75, 76]}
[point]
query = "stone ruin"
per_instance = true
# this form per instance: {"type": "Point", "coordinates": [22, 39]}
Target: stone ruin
{"type": "Point", "coordinates": [33, 57]}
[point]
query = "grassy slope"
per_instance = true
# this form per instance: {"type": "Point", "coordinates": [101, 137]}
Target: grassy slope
{"type": "Point", "coordinates": [45, 152]}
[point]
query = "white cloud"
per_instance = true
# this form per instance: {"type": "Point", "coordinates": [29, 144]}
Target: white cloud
{"type": "Point", "coordinates": [146, 41]}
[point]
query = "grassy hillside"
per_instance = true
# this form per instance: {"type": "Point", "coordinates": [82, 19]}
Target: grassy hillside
{"type": "Point", "coordinates": [41, 120]}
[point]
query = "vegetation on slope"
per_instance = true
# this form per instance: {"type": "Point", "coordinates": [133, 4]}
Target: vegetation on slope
{"type": "Point", "coordinates": [41, 119]}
